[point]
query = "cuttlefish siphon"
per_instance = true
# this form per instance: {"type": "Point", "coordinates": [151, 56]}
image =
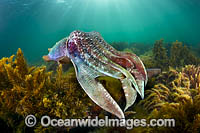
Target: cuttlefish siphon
{"type": "Point", "coordinates": [92, 57]}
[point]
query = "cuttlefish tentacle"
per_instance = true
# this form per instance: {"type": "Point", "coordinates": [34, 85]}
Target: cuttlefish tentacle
{"type": "Point", "coordinates": [130, 93]}
{"type": "Point", "coordinates": [95, 90]}
{"type": "Point", "coordinates": [93, 57]}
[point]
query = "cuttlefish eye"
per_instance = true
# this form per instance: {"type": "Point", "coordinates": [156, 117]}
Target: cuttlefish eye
{"type": "Point", "coordinates": [71, 46]}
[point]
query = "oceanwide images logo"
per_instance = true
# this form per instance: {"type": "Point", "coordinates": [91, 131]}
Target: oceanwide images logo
{"type": "Point", "coordinates": [46, 121]}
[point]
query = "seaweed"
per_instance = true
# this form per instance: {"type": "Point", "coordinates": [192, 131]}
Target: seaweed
{"type": "Point", "coordinates": [180, 55]}
{"type": "Point", "coordinates": [32, 90]}
{"type": "Point", "coordinates": [140, 48]}
{"type": "Point", "coordinates": [165, 55]}
{"type": "Point", "coordinates": [113, 86]}
{"type": "Point", "coordinates": [160, 55]}
{"type": "Point", "coordinates": [136, 48]}
{"type": "Point", "coordinates": [157, 57]}
{"type": "Point", "coordinates": [120, 45]}
{"type": "Point", "coordinates": [176, 95]}
{"type": "Point", "coordinates": [35, 90]}
{"type": "Point", "coordinates": [148, 59]}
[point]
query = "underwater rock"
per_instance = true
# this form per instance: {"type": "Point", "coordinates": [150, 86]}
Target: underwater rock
{"type": "Point", "coordinates": [153, 72]}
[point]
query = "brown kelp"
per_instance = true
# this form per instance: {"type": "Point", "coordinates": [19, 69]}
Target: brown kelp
{"type": "Point", "coordinates": [176, 95]}
{"type": "Point", "coordinates": [31, 90]}
{"type": "Point", "coordinates": [180, 55]}
{"type": "Point", "coordinates": [160, 55]}
{"type": "Point", "coordinates": [138, 48]}
{"type": "Point", "coordinates": [120, 45]}
{"type": "Point", "coordinates": [165, 55]}
{"type": "Point", "coordinates": [148, 59]}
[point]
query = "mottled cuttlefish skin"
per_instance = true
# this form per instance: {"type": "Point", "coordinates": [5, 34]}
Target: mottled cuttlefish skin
{"type": "Point", "coordinates": [92, 57]}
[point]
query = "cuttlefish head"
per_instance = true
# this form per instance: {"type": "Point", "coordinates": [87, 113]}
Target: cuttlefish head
{"type": "Point", "coordinates": [58, 53]}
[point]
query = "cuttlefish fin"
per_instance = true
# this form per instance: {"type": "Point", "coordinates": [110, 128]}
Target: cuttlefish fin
{"type": "Point", "coordinates": [129, 91]}
{"type": "Point", "coordinates": [95, 90]}
{"type": "Point", "coordinates": [49, 49]}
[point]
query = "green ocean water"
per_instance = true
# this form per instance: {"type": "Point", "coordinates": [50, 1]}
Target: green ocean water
{"type": "Point", "coordinates": [35, 25]}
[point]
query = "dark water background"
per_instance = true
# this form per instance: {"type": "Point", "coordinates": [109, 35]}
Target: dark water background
{"type": "Point", "coordinates": [35, 25]}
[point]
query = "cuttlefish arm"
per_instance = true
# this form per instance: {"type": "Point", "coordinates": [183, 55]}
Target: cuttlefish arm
{"type": "Point", "coordinates": [63, 60]}
{"type": "Point", "coordinates": [46, 58]}
{"type": "Point", "coordinates": [127, 63]}
{"type": "Point", "coordinates": [95, 90]}
{"type": "Point", "coordinates": [129, 91]}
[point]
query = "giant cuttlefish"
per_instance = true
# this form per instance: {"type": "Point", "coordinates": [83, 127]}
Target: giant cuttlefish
{"type": "Point", "coordinates": [92, 57]}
